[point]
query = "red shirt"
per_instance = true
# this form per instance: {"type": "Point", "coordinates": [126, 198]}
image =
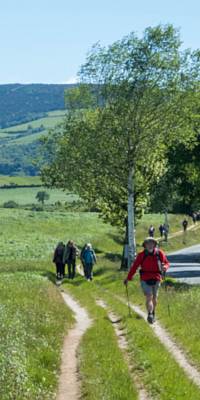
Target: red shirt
{"type": "Point", "coordinates": [149, 265]}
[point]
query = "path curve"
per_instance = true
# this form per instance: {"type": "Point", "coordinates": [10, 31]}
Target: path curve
{"type": "Point", "coordinates": [123, 345]}
{"type": "Point", "coordinates": [193, 227]}
{"type": "Point", "coordinates": [170, 345]}
{"type": "Point", "coordinates": [69, 386]}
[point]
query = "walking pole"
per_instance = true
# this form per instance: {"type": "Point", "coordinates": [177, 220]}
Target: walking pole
{"type": "Point", "coordinates": [168, 306]}
{"type": "Point", "coordinates": [128, 300]}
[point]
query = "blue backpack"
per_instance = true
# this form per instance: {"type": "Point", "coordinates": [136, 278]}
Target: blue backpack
{"type": "Point", "coordinates": [88, 256]}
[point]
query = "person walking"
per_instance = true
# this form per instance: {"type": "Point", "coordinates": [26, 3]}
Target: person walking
{"type": "Point", "coordinates": [185, 224]}
{"type": "Point", "coordinates": [161, 230]}
{"type": "Point", "coordinates": [82, 259]}
{"type": "Point", "coordinates": [151, 231]}
{"type": "Point", "coordinates": [69, 258]}
{"type": "Point", "coordinates": [58, 260]}
{"type": "Point", "coordinates": [89, 258]}
{"type": "Point", "coordinates": [153, 264]}
{"type": "Point", "coordinates": [194, 217]}
{"type": "Point", "coordinates": [166, 231]}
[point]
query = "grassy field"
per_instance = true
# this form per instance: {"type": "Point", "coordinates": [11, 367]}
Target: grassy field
{"type": "Point", "coordinates": [24, 133]}
{"type": "Point", "coordinates": [53, 118]}
{"type": "Point", "coordinates": [29, 328]}
{"type": "Point", "coordinates": [20, 180]}
{"type": "Point", "coordinates": [25, 196]}
{"type": "Point", "coordinates": [33, 324]}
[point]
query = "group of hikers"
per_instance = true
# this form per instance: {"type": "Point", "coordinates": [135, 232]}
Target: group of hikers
{"type": "Point", "coordinates": [67, 255]}
{"type": "Point", "coordinates": [163, 229]}
{"type": "Point", "coordinates": [152, 262]}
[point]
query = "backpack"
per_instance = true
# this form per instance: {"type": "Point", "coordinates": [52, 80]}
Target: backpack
{"type": "Point", "coordinates": [152, 282]}
{"type": "Point", "coordinates": [60, 250]}
{"type": "Point", "coordinates": [88, 256]}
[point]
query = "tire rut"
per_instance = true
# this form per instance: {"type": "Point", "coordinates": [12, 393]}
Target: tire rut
{"type": "Point", "coordinates": [123, 345]}
{"type": "Point", "coordinates": [69, 382]}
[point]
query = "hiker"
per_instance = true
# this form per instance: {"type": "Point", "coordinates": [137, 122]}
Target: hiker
{"type": "Point", "coordinates": [151, 231]}
{"type": "Point", "coordinates": [82, 259]}
{"type": "Point", "coordinates": [69, 258]}
{"type": "Point", "coordinates": [58, 260]}
{"type": "Point", "coordinates": [194, 217]}
{"type": "Point", "coordinates": [166, 231]}
{"type": "Point", "coordinates": [153, 265]}
{"type": "Point", "coordinates": [89, 258]}
{"type": "Point", "coordinates": [185, 224]}
{"type": "Point", "coordinates": [161, 229]}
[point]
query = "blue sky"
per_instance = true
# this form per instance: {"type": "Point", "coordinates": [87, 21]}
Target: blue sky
{"type": "Point", "coordinates": [47, 40]}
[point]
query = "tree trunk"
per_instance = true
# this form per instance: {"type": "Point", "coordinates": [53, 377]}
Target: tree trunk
{"type": "Point", "coordinates": [124, 263]}
{"type": "Point", "coordinates": [131, 219]}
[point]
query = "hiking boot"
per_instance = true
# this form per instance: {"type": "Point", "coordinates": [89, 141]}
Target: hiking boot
{"type": "Point", "coordinates": [150, 318]}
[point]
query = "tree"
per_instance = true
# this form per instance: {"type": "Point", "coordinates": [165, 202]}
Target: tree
{"type": "Point", "coordinates": [112, 153]}
{"type": "Point", "coordinates": [42, 196]}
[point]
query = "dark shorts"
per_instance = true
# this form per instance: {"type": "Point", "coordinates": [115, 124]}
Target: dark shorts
{"type": "Point", "coordinates": [150, 290]}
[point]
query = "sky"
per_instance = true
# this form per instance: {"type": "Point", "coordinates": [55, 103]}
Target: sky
{"type": "Point", "coordinates": [46, 41]}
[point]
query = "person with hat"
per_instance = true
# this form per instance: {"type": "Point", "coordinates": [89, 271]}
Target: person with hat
{"type": "Point", "coordinates": [89, 259]}
{"type": "Point", "coordinates": [153, 264]}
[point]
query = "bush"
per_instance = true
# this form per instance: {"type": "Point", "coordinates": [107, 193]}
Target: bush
{"type": "Point", "coordinates": [37, 208]}
{"type": "Point", "coordinates": [10, 204]}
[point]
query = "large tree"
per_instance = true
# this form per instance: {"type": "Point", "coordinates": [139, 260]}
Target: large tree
{"type": "Point", "coordinates": [113, 149]}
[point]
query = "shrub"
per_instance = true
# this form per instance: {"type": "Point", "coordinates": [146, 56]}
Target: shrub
{"type": "Point", "coordinates": [10, 204]}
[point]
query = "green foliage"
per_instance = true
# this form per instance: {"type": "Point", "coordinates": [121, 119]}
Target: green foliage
{"type": "Point", "coordinates": [147, 85]}
{"type": "Point", "coordinates": [42, 196]}
{"type": "Point", "coordinates": [10, 204]}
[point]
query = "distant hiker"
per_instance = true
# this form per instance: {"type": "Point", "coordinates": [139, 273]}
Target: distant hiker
{"type": "Point", "coordinates": [69, 258]}
{"type": "Point", "coordinates": [166, 231]}
{"type": "Point", "coordinates": [161, 229]}
{"type": "Point", "coordinates": [58, 260]}
{"type": "Point", "coordinates": [194, 218]}
{"type": "Point", "coordinates": [82, 259]}
{"type": "Point", "coordinates": [151, 231]}
{"type": "Point", "coordinates": [185, 224]}
{"type": "Point", "coordinates": [89, 259]}
{"type": "Point", "coordinates": [153, 264]}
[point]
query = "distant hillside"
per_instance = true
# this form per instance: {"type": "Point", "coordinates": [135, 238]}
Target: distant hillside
{"type": "Point", "coordinates": [24, 103]}
{"type": "Point", "coordinates": [20, 144]}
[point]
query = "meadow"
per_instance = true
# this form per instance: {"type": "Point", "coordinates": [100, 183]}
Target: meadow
{"type": "Point", "coordinates": [26, 133]}
{"type": "Point", "coordinates": [27, 196]}
{"type": "Point", "coordinates": [53, 118]}
{"type": "Point", "coordinates": [6, 180]}
{"type": "Point", "coordinates": [34, 324]}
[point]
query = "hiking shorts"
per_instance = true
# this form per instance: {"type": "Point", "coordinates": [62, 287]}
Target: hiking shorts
{"type": "Point", "coordinates": [150, 290]}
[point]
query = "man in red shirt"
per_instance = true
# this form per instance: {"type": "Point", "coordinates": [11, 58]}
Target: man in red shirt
{"type": "Point", "coordinates": [153, 264]}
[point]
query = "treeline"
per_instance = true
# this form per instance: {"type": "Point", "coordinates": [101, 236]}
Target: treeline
{"type": "Point", "coordinates": [24, 103]}
{"type": "Point", "coordinates": [138, 149]}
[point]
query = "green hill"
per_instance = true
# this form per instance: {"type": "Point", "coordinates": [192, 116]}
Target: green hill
{"type": "Point", "coordinates": [19, 144]}
{"type": "Point", "coordinates": [24, 103]}
{"type": "Point", "coordinates": [27, 112]}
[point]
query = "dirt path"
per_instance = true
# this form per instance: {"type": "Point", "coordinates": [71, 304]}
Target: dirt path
{"type": "Point", "coordinates": [69, 386]}
{"type": "Point", "coordinates": [170, 345]}
{"type": "Point", "coordinates": [179, 233]}
{"type": "Point", "coordinates": [123, 345]}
